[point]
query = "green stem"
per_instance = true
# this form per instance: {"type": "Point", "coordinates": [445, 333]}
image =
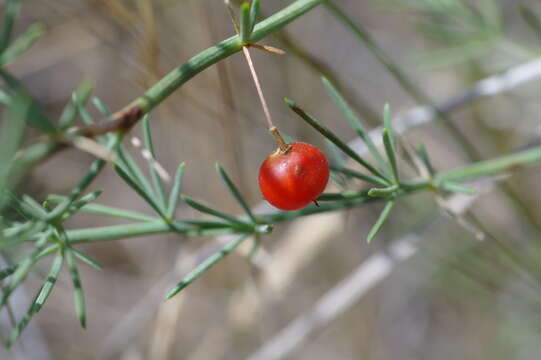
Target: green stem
{"type": "Point", "coordinates": [489, 167]}
{"type": "Point", "coordinates": [176, 78]}
{"type": "Point", "coordinates": [493, 166]}
{"type": "Point", "coordinates": [180, 75]}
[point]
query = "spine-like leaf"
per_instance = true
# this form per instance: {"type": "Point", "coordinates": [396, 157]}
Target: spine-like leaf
{"type": "Point", "coordinates": [205, 209]}
{"type": "Point", "coordinates": [245, 23]}
{"type": "Point", "coordinates": [154, 176]}
{"type": "Point", "coordinates": [21, 44]}
{"type": "Point", "coordinates": [175, 191]}
{"type": "Point", "coordinates": [358, 175]}
{"type": "Point", "coordinates": [254, 12]}
{"type": "Point", "coordinates": [86, 259]}
{"type": "Point", "coordinates": [353, 121]}
{"type": "Point", "coordinates": [236, 193]}
{"type": "Point", "coordinates": [206, 265]}
{"type": "Point", "coordinates": [11, 10]}
{"type": "Point", "coordinates": [381, 220]}
{"type": "Point", "coordinates": [39, 300]}
{"type": "Point", "coordinates": [80, 96]}
{"type": "Point", "coordinates": [139, 190]}
{"type": "Point", "coordinates": [333, 138]}
{"type": "Point", "coordinates": [78, 294]}
{"type": "Point", "coordinates": [390, 150]}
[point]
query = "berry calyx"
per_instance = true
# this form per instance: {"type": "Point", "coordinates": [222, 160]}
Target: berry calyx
{"type": "Point", "coordinates": [294, 175]}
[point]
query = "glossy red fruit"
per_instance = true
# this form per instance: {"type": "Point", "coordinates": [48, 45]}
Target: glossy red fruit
{"type": "Point", "coordinates": [293, 179]}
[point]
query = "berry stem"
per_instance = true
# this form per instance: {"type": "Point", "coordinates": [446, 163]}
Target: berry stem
{"type": "Point", "coordinates": [282, 145]}
{"type": "Point", "coordinates": [258, 87]}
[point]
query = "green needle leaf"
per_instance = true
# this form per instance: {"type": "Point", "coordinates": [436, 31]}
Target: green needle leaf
{"type": "Point", "coordinates": [387, 123]}
{"type": "Point", "coordinates": [34, 114]}
{"type": "Point", "coordinates": [423, 155]}
{"type": "Point", "coordinates": [236, 193]}
{"type": "Point", "coordinates": [156, 181]}
{"type": "Point", "coordinates": [383, 192]}
{"type": "Point", "coordinates": [21, 44]}
{"type": "Point", "coordinates": [254, 11]}
{"type": "Point", "coordinates": [108, 210]}
{"type": "Point", "coordinates": [206, 265]}
{"type": "Point", "coordinates": [139, 189]}
{"type": "Point", "coordinates": [456, 188]}
{"type": "Point", "coordinates": [134, 171]}
{"type": "Point", "coordinates": [389, 149]}
{"type": "Point", "coordinates": [11, 11]}
{"type": "Point", "coordinates": [205, 209]}
{"type": "Point", "coordinates": [379, 223]}
{"type": "Point", "coordinates": [23, 268]}
{"type": "Point", "coordinates": [102, 108]}
{"type": "Point", "coordinates": [39, 300]}
{"type": "Point", "coordinates": [78, 294]}
{"type": "Point", "coordinates": [31, 207]}
{"type": "Point", "coordinates": [358, 175]}
{"type": "Point", "coordinates": [86, 259]}
{"type": "Point", "coordinates": [175, 191]}
{"type": "Point", "coordinates": [333, 138]}
{"type": "Point", "coordinates": [353, 121]}
{"type": "Point", "coordinates": [80, 96]}
{"type": "Point", "coordinates": [245, 25]}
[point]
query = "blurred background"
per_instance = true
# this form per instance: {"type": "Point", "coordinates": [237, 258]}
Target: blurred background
{"type": "Point", "coordinates": [450, 296]}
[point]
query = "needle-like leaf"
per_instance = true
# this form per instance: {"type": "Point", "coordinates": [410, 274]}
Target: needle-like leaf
{"type": "Point", "coordinates": [78, 294]}
{"type": "Point", "coordinates": [254, 12]}
{"type": "Point", "coordinates": [107, 210]}
{"type": "Point", "coordinates": [11, 10]}
{"type": "Point", "coordinates": [236, 193]}
{"type": "Point", "coordinates": [358, 175]}
{"type": "Point", "coordinates": [205, 209]}
{"type": "Point", "coordinates": [80, 96]}
{"type": "Point", "coordinates": [154, 176]}
{"type": "Point", "coordinates": [354, 122]}
{"type": "Point", "coordinates": [139, 190]}
{"type": "Point", "coordinates": [86, 259]}
{"type": "Point", "coordinates": [390, 150]}
{"type": "Point", "coordinates": [245, 25]}
{"type": "Point", "coordinates": [23, 268]}
{"type": "Point", "coordinates": [333, 138]}
{"type": "Point", "coordinates": [383, 192]}
{"type": "Point", "coordinates": [206, 265]}
{"type": "Point", "coordinates": [456, 188]}
{"type": "Point", "coordinates": [39, 300]}
{"type": "Point", "coordinates": [423, 155]}
{"type": "Point", "coordinates": [129, 166]}
{"type": "Point", "coordinates": [21, 44]}
{"type": "Point", "coordinates": [175, 191]}
{"type": "Point", "coordinates": [34, 114]}
{"type": "Point", "coordinates": [379, 223]}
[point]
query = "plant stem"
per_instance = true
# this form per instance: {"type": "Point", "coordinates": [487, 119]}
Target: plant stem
{"type": "Point", "coordinates": [493, 166]}
{"type": "Point", "coordinates": [176, 78]}
{"type": "Point", "coordinates": [483, 168]}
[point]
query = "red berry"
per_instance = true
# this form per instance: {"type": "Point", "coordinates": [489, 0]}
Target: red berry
{"type": "Point", "coordinates": [292, 180]}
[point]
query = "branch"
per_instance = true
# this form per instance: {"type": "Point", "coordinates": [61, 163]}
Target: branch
{"type": "Point", "coordinates": [125, 118]}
